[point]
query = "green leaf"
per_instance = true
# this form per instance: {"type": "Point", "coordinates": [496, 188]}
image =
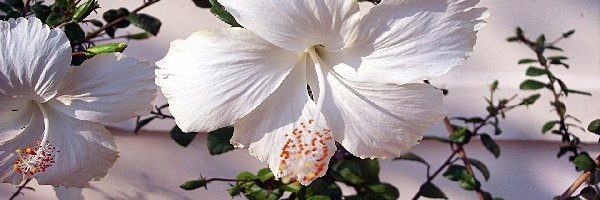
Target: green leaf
{"type": "Point", "coordinates": [384, 191]}
{"type": "Point", "coordinates": [589, 193]}
{"type": "Point", "coordinates": [74, 32]}
{"type": "Point", "coordinates": [139, 124]}
{"type": "Point", "coordinates": [144, 21]}
{"type": "Point", "coordinates": [183, 139]}
{"type": "Point", "coordinates": [563, 87]}
{"type": "Point", "coordinates": [490, 144]}
{"type": "Point", "coordinates": [41, 11]}
{"type": "Point", "coordinates": [560, 106]}
{"type": "Point", "coordinates": [527, 60]}
{"type": "Point", "coordinates": [12, 14]}
{"type": "Point", "coordinates": [84, 10]}
{"type": "Point", "coordinates": [218, 141]}
{"type": "Point", "coordinates": [584, 162]}
{"type": "Point", "coordinates": [455, 172]}
{"type": "Point", "coordinates": [530, 100]}
{"type": "Point", "coordinates": [568, 33]}
{"type": "Point", "coordinates": [264, 175]}
{"type": "Point", "coordinates": [4, 7]}
{"type": "Point", "coordinates": [138, 36]}
{"type": "Point", "coordinates": [356, 172]}
{"type": "Point", "coordinates": [194, 184]}
{"type": "Point", "coordinates": [535, 71]}
{"type": "Point", "coordinates": [579, 92]}
{"type": "Point", "coordinates": [461, 135]}
{"type": "Point", "coordinates": [218, 10]}
{"type": "Point", "coordinates": [430, 190]}
{"type": "Point", "coordinates": [481, 167]}
{"type": "Point", "coordinates": [437, 138]}
{"type": "Point", "coordinates": [468, 183]}
{"type": "Point", "coordinates": [255, 192]}
{"type": "Point", "coordinates": [105, 48]}
{"type": "Point", "coordinates": [54, 19]}
{"type": "Point", "coordinates": [412, 157]}
{"type": "Point", "coordinates": [293, 187]}
{"type": "Point", "coordinates": [319, 197]}
{"type": "Point", "coordinates": [202, 3]}
{"type": "Point", "coordinates": [531, 85]}
{"type": "Point", "coordinates": [246, 175]}
{"type": "Point", "coordinates": [17, 4]}
{"type": "Point", "coordinates": [322, 187]}
{"type": "Point", "coordinates": [114, 14]}
{"type": "Point", "coordinates": [548, 126]}
{"type": "Point", "coordinates": [540, 44]}
{"type": "Point", "coordinates": [234, 190]}
{"type": "Point", "coordinates": [594, 126]}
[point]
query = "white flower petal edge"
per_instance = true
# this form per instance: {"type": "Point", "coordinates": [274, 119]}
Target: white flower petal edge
{"type": "Point", "coordinates": [34, 56]}
{"type": "Point", "coordinates": [297, 25]}
{"type": "Point", "coordinates": [87, 151]}
{"type": "Point", "coordinates": [401, 41]}
{"type": "Point", "coordinates": [380, 120]}
{"type": "Point", "coordinates": [282, 132]}
{"type": "Point", "coordinates": [215, 77]}
{"type": "Point", "coordinates": [107, 88]}
{"type": "Point", "coordinates": [14, 137]}
{"type": "Point", "coordinates": [71, 193]}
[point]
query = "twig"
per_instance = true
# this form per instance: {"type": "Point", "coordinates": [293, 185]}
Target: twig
{"type": "Point", "coordinates": [116, 21]}
{"type": "Point", "coordinates": [465, 159]}
{"type": "Point", "coordinates": [437, 172]}
{"type": "Point", "coordinates": [25, 8]}
{"type": "Point", "coordinates": [20, 188]}
{"type": "Point", "coordinates": [580, 180]}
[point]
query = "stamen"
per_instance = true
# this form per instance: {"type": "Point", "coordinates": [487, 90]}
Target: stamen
{"type": "Point", "coordinates": [321, 81]}
{"type": "Point", "coordinates": [34, 159]}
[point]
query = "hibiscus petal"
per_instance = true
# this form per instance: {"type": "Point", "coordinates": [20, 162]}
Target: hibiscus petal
{"type": "Point", "coordinates": [215, 77]}
{"type": "Point", "coordinates": [107, 88]}
{"type": "Point", "coordinates": [84, 151]}
{"type": "Point", "coordinates": [297, 25]}
{"type": "Point", "coordinates": [14, 136]}
{"type": "Point", "coordinates": [406, 40]}
{"type": "Point", "coordinates": [379, 120]}
{"type": "Point", "coordinates": [34, 59]}
{"type": "Point", "coordinates": [270, 133]}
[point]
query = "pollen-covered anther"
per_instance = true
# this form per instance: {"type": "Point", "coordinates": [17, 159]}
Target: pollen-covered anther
{"type": "Point", "coordinates": [305, 151]}
{"type": "Point", "coordinates": [34, 159]}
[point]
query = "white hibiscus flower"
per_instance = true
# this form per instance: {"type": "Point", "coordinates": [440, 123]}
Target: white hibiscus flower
{"type": "Point", "coordinates": [51, 112]}
{"type": "Point", "coordinates": [360, 70]}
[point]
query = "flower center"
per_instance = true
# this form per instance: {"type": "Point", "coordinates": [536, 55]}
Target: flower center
{"type": "Point", "coordinates": [40, 156]}
{"type": "Point", "coordinates": [34, 159]}
{"type": "Point", "coordinates": [308, 147]}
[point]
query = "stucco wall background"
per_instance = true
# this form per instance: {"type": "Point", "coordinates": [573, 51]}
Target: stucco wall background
{"type": "Point", "coordinates": [152, 166]}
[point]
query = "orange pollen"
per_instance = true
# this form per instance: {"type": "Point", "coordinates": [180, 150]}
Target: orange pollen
{"type": "Point", "coordinates": [34, 159]}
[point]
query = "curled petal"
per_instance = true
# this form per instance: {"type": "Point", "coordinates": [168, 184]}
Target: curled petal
{"type": "Point", "coordinates": [84, 151]}
{"type": "Point", "coordinates": [401, 41]}
{"type": "Point", "coordinates": [33, 61]}
{"type": "Point", "coordinates": [282, 132]}
{"type": "Point", "coordinates": [107, 88]}
{"type": "Point", "coordinates": [26, 126]}
{"type": "Point", "coordinates": [379, 120]}
{"type": "Point", "coordinates": [297, 25]}
{"type": "Point", "coordinates": [215, 77]}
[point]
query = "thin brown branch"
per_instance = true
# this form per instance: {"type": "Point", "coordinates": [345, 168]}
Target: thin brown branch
{"type": "Point", "coordinates": [113, 23]}
{"type": "Point", "coordinates": [465, 159]}
{"type": "Point", "coordinates": [20, 188]}
{"type": "Point", "coordinates": [577, 183]}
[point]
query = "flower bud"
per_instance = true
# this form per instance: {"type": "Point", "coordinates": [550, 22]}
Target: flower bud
{"type": "Point", "coordinates": [105, 48]}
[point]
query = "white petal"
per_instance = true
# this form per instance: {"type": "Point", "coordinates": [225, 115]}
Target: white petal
{"type": "Point", "coordinates": [72, 193]}
{"type": "Point", "coordinates": [406, 40]}
{"type": "Point", "coordinates": [84, 151]}
{"type": "Point", "coordinates": [297, 25]}
{"type": "Point", "coordinates": [14, 136]}
{"type": "Point", "coordinates": [380, 120]}
{"type": "Point", "coordinates": [268, 128]}
{"type": "Point", "coordinates": [215, 77]}
{"type": "Point", "coordinates": [107, 88]}
{"type": "Point", "coordinates": [34, 59]}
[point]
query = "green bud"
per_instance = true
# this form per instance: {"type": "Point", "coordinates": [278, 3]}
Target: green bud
{"type": "Point", "coordinates": [105, 48]}
{"type": "Point", "coordinates": [138, 36]}
{"type": "Point", "coordinates": [84, 10]}
{"type": "Point", "coordinates": [192, 185]}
